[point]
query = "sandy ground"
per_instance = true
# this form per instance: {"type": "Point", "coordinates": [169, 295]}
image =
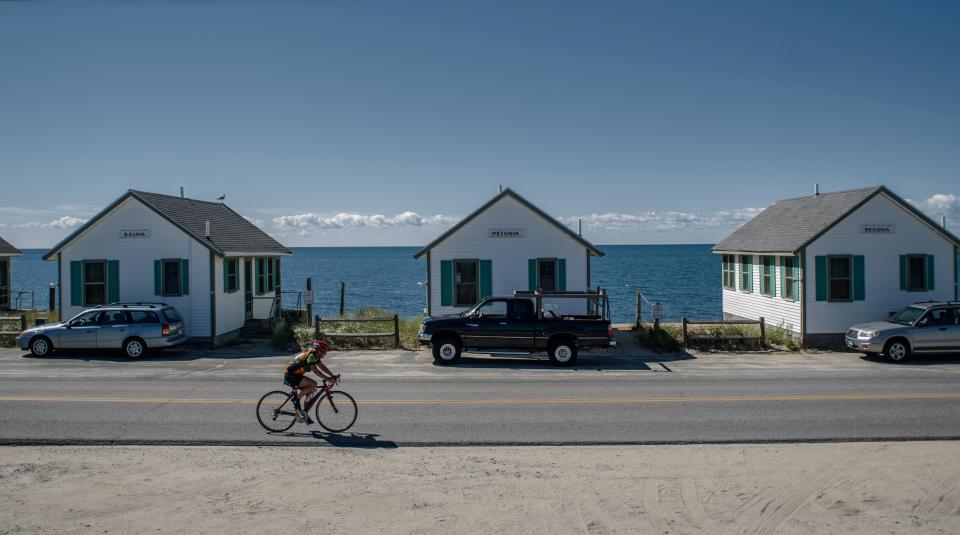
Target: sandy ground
{"type": "Point", "coordinates": [869, 488]}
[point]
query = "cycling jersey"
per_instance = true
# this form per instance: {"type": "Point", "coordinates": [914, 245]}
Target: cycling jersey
{"type": "Point", "coordinates": [301, 364]}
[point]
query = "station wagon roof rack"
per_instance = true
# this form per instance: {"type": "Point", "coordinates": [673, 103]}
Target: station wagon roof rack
{"type": "Point", "coordinates": [132, 304]}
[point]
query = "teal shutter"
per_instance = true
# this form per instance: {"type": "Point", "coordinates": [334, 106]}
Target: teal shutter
{"type": "Point", "coordinates": [859, 282]}
{"type": "Point", "coordinates": [184, 277]}
{"type": "Point", "coordinates": [226, 274]}
{"type": "Point", "coordinates": [76, 283]}
{"type": "Point", "coordinates": [486, 278]}
{"type": "Point", "coordinates": [561, 275]}
{"type": "Point", "coordinates": [821, 274]}
{"type": "Point", "coordinates": [930, 273]}
{"type": "Point", "coordinates": [532, 274]}
{"type": "Point", "coordinates": [157, 277]}
{"type": "Point", "coordinates": [113, 281]}
{"type": "Point", "coordinates": [750, 273]}
{"type": "Point", "coordinates": [796, 277]}
{"type": "Point", "coordinates": [257, 265]}
{"type": "Point", "coordinates": [446, 283]}
{"type": "Point", "coordinates": [903, 272]}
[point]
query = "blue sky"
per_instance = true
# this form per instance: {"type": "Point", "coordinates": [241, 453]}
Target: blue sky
{"type": "Point", "coordinates": [665, 122]}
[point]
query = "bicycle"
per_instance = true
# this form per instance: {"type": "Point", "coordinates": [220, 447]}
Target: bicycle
{"type": "Point", "coordinates": [338, 413]}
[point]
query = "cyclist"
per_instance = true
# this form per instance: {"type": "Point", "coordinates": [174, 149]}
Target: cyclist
{"type": "Point", "coordinates": [310, 360]}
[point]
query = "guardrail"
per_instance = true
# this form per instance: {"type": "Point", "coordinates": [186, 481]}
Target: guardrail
{"type": "Point", "coordinates": [689, 338]}
{"type": "Point", "coordinates": [395, 334]}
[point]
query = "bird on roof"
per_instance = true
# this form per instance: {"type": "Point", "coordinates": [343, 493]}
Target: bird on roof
{"type": "Point", "coordinates": [222, 197]}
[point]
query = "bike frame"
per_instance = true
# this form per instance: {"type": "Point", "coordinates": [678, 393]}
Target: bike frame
{"type": "Point", "coordinates": [325, 393]}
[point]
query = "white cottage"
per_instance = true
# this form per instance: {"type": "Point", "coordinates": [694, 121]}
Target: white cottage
{"type": "Point", "coordinates": [507, 244]}
{"type": "Point", "coordinates": [816, 265]}
{"type": "Point", "coordinates": [218, 269]}
{"type": "Point", "coordinates": [7, 252]}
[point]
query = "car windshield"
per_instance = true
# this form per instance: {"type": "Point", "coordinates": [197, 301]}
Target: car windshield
{"type": "Point", "coordinates": [907, 316]}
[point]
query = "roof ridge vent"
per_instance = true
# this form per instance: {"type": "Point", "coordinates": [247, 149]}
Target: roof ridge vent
{"type": "Point", "coordinates": [816, 190]}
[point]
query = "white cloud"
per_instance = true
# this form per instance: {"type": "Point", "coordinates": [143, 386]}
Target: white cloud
{"type": "Point", "coordinates": [66, 222]}
{"type": "Point", "coordinates": [258, 222]}
{"type": "Point", "coordinates": [653, 221]}
{"type": "Point", "coordinates": [941, 204]}
{"type": "Point", "coordinates": [347, 220]}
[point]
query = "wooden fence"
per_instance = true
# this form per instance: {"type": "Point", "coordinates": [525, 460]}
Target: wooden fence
{"type": "Point", "coordinates": [688, 338]}
{"type": "Point", "coordinates": [395, 334]}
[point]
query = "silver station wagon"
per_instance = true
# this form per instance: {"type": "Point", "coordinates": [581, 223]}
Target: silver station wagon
{"type": "Point", "coordinates": [131, 327]}
{"type": "Point", "coordinates": [931, 327]}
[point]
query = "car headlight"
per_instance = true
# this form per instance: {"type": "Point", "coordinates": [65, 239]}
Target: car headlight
{"type": "Point", "coordinates": [868, 334]}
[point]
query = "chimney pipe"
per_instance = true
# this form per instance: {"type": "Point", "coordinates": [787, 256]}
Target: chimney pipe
{"type": "Point", "coordinates": [580, 227]}
{"type": "Point", "coordinates": [500, 188]}
{"type": "Point", "coordinates": [816, 189]}
{"type": "Point", "coordinates": [181, 192]}
{"type": "Point", "coordinates": [206, 229]}
{"type": "Point", "coordinates": [943, 221]}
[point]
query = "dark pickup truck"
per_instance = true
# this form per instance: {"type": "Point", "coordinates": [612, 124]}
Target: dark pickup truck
{"type": "Point", "coordinates": [521, 324]}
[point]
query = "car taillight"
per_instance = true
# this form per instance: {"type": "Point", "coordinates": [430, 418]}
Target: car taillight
{"type": "Point", "coordinates": [166, 330]}
{"type": "Point", "coordinates": [609, 332]}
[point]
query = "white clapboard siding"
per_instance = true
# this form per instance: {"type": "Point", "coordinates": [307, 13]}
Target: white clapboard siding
{"type": "Point", "coordinates": [776, 311]}
{"type": "Point", "coordinates": [102, 242]}
{"type": "Point", "coordinates": [509, 256]}
{"type": "Point", "coordinates": [881, 265]}
{"type": "Point", "coordinates": [230, 313]}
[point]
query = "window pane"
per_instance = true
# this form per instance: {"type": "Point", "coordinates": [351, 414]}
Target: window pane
{"type": "Point", "coordinates": [466, 272]}
{"type": "Point", "coordinates": [93, 272]}
{"type": "Point", "coordinates": [94, 295]}
{"type": "Point", "coordinates": [839, 267]}
{"type": "Point", "coordinates": [840, 289]}
{"type": "Point", "coordinates": [171, 277]}
{"type": "Point", "coordinates": [142, 316]}
{"type": "Point", "coordinates": [114, 317]}
{"type": "Point", "coordinates": [172, 315]}
{"type": "Point", "coordinates": [917, 270]}
{"type": "Point", "coordinates": [466, 294]}
{"type": "Point", "coordinates": [548, 275]}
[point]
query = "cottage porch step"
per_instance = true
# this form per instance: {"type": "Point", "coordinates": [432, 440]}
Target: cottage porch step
{"type": "Point", "coordinates": [256, 328]}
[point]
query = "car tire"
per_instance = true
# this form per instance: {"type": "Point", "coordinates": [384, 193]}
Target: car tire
{"type": "Point", "coordinates": [897, 350]}
{"type": "Point", "coordinates": [447, 351]}
{"type": "Point", "coordinates": [41, 346]}
{"type": "Point", "coordinates": [134, 348]}
{"type": "Point", "coordinates": [563, 353]}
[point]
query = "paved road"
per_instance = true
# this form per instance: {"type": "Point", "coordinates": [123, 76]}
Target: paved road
{"type": "Point", "coordinates": [406, 400]}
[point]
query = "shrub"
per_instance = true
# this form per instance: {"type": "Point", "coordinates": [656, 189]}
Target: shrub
{"type": "Point", "coordinates": [665, 339]}
{"type": "Point", "coordinates": [409, 329]}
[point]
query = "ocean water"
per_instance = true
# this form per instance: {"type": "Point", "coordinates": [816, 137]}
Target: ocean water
{"type": "Point", "coordinates": [684, 278]}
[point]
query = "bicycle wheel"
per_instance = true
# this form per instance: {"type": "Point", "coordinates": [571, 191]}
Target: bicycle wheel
{"type": "Point", "coordinates": [275, 413]}
{"type": "Point", "coordinates": [336, 412]}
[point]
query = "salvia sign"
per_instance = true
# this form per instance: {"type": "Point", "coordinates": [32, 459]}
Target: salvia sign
{"type": "Point", "coordinates": [505, 233]}
{"type": "Point", "coordinates": [142, 234]}
{"type": "Point", "coordinates": [877, 229]}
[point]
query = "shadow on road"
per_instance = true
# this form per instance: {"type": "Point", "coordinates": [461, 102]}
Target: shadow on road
{"type": "Point", "coordinates": [352, 440]}
{"type": "Point", "coordinates": [594, 361]}
{"type": "Point", "coordinates": [947, 359]}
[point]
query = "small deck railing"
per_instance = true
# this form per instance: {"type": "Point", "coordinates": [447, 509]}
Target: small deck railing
{"type": "Point", "coordinates": [320, 333]}
{"type": "Point", "coordinates": [717, 339]}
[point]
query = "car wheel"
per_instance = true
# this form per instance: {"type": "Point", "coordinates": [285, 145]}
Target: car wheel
{"type": "Point", "coordinates": [134, 348]}
{"type": "Point", "coordinates": [40, 346]}
{"type": "Point", "coordinates": [447, 351]}
{"type": "Point", "coordinates": [897, 350]}
{"type": "Point", "coordinates": [563, 353]}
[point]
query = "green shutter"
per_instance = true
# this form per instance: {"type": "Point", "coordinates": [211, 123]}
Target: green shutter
{"type": "Point", "coordinates": [903, 272]}
{"type": "Point", "coordinates": [486, 278]}
{"type": "Point", "coordinates": [157, 277]}
{"type": "Point", "coordinates": [750, 273]}
{"type": "Point", "coordinates": [113, 281]}
{"type": "Point", "coordinates": [184, 277]}
{"type": "Point", "coordinates": [226, 274]}
{"type": "Point", "coordinates": [930, 273]}
{"type": "Point", "coordinates": [796, 277]}
{"type": "Point", "coordinates": [76, 283]}
{"type": "Point", "coordinates": [821, 274]}
{"type": "Point", "coordinates": [446, 283]}
{"type": "Point", "coordinates": [561, 275]}
{"type": "Point", "coordinates": [859, 281]}
{"type": "Point", "coordinates": [532, 274]}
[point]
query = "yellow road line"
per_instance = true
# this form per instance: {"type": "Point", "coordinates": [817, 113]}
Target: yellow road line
{"type": "Point", "coordinates": [521, 401]}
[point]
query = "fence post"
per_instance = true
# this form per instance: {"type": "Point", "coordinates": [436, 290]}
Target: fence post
{"type": "Point", "coordinates": [309, 300]}
{"type": "Point", "coordinates": [685, 340]}
{"type": "Point", "coordinates": [316, 327]}
{"type": "Point", "coordinates": [396, 330]}
{"type": "Point", "coordinates": [763, 333]}
{"type": "Point", "coordinates": [23, 322]}
{"type": "Point", "coordinates": [639, 317]}
{"type": "Point", "coordinates": [53, 297]}
{"type": "Point", "coordinates": [343, 291]}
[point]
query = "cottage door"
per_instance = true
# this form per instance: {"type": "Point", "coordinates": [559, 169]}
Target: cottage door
{"type": "Point", "coordinates": [247, 289]}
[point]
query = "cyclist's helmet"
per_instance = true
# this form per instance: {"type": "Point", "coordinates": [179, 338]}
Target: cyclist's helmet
{"type": "Point", "coordinates": [321, 347]}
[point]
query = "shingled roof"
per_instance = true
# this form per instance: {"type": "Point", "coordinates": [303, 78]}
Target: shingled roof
{"type": "Point", "coordinates": [230, 232]}
{"type": "Point", "coordinates": [791, 224]}
{"type": "Point", "coordinates": [6, 249]}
